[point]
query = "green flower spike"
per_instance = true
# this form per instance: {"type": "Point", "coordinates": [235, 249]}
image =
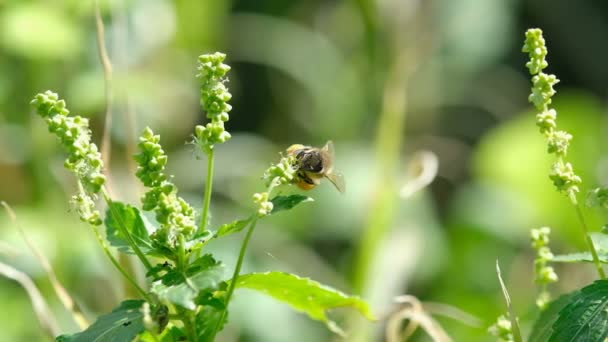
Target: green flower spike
{"type": "Point", "coordinates": [544, 274]}
{"type": "Point", "coordinates": [176, 216]}
{"type": "Point", "coordinates": [84, 159]}
{"type": "Point", "coordinates": [562, 173]}
{"type": "Point", "coordinates": [214, 100]}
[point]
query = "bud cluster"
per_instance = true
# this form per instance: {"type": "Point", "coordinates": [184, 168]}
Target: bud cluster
{"type": "Point", "coordinates": [84, 159]}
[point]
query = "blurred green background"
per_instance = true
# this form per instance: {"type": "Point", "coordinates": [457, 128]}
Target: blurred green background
{"type": "Point", "coordinates": [382, 79]}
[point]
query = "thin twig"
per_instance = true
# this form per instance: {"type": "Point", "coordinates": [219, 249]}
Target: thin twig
{"type": "Point", "coordinates": [45, 317]}
{"type": "Point", "coordinates": [106, 142]}
{"type": "Point", "coordinates": [67, 300]}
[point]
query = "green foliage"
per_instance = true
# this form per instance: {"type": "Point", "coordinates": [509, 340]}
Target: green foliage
{"type": "Point", "coordinates": [543, 327]}
{"type": "Point", "coordinates": [585, 316]}
{"type": "Point", "coordinates": [183, 287]}
{"type": "Point", "coordinates": [280, 203]}
{"type": "Point", "coordinates": [232, 227]}
{"type": "Point", "coordinates": [136, 225]}
{"type": "Point", "coordinates": [304, 295]}
{"type": "Point", "coordinates": [600, 241]}
{"type": "Point", "coordinates": [122, 324]}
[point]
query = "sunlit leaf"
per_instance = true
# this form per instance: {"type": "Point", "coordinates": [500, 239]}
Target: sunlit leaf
{"type": "Point", "coordinates": [182, 288]}
{"type": "Point", "coordinates": [288, 202]}
{"type": "Point", "coordinates": [304, 295]}
{"type": "Point", "coordinates": [600, 241]}
{"type": "Point", "coordinates": [137, 225]}
{"type": "Point", "coordinates": [122, 324]}
{"type": "Point", "coordinates": [232, 227]}
{"type": "Point", "coordinates": [580, 257]}
{"type": "Point", "coordinates": [543, 327]}
{"type": "Point", "coordinates": [585, 316]}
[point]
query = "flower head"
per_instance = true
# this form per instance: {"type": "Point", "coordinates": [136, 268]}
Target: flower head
{"type": "Point", "coordinates": [84, 159]}
{"type": "Point", "coordinates": [174, 214]}
{"type": "Point", "coordinates": [214, 100]}
{"type": "Point", "coordinates": [562, 173]}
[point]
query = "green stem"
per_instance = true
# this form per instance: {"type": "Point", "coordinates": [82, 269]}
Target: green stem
{"type": "Point", "coordinates": [186, 318]}
{"type": "Point", "coordinates": [208, 186]}
{"type": "Point", "coordinates": [127, 276]}
{"type": "Point", "coordinates": [237, 271]}
{"type": "Point", "coordinates": [125, 232]}
{"type": "Point", "coordinates": [181, 257]}
{"type": "Point", "coordinates": [596, 259]}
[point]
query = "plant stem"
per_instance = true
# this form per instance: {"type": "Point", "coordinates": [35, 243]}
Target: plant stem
{"type": "Point", "coordinates": [596, 259]}
{"type": "Point", "coordinates": [125, 232]}
{"type": "Point", "coordinates": [181, 257]}
{"type": "Point", "coordinates": [127, 276]}
{"type": "Point", "coordinates": [237, 271]}
{"type": "Point", "coordinates": [208, 186]}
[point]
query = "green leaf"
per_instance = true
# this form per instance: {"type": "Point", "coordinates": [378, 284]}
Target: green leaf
{"type": "Point", "coordinates": [182, 288]}
{"type": "Point", "coordinates": [543, 327]}
{"type": "Point", "coordinates": [232, 227]}
{"type": "Point", "coordinates": [135, 223]}
{"type": "Point", "coordinates": [288, 202]}
{"type": "Point", "coordinates": [122, 324]}
{"type": "Point", "coordinates": [206, 321]}
{"type": "Point", "coordinates": [579, 257]}
{"type": "Point", "coordinates": [304, 295]}
{"type": "Point", "coordinates": [172, 334]}
{"type": "Point", "coordinates": [600, 241]}
{"type": "Point", "coordinates": [585, 317]}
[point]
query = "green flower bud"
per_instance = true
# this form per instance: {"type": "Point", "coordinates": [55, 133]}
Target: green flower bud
{"type": "Point", "coordinates": [264, 205]}
{"type": "Point", "coordinates": [175, 215]}
{"type": "Point", "coordinates": [542, 90]}
{"type": "Point", "coordinates": [564, 178]}
{"type": "Point", "coordinates": [214, 100]}
{"type": "Point", "coordinates": [281, 173]}
{"type": "Point", "coordinates": [502, 329]}
{"type": "Point", "coordinates": [84, 159]}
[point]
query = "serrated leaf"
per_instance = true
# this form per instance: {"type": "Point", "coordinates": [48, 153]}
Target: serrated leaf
{"type": "Point", "coordinates": [585, 317]}
{"type": "Point", "coordinates": [182, 288]}
{"type": "Point", "coordinates": [135, 223]}
{"type": "Point", "coordinates": [543, 327]}
{"type": "Point", "coordinates": [232, 227]}
{"type": "Point", "coordinates": [288, 202]}
{"type": "Point", "coordinates": [304, 295]}
{"type": "Point", "coordinates": [122, 324]}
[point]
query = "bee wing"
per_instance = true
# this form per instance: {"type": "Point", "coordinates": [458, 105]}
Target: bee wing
{"type": "Point", "coordinates": [329, 149]}
{"type": "Point", "coordinates": [337, 179]}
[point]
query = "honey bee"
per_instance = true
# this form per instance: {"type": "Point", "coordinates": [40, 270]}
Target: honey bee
{"type": "Point", "coordinates": [314, 163]}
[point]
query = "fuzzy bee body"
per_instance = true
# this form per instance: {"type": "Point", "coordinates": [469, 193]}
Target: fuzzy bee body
{"type": "Point", "coordinates": [313, 164]}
